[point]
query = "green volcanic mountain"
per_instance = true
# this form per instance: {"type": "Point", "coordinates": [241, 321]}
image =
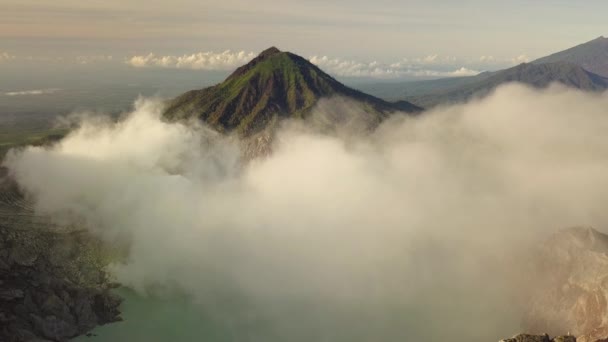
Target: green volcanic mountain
{"type": "Point", "coordinates": [592, 56]}
{"type": "Point", "coordinates": [273, 85]}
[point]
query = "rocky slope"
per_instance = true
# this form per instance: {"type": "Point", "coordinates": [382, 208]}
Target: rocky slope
{"type": "Point", "coordinates": [274, 85]}
{"type": "Point", "coordinates": [535, 75]}
{"type": "Point", "coordinates": [539, 338]}
{"type": "Point", "coordinates": [52, 283]}
{"type": "Point", "coordinates": [572, 270]}
{"type": "Point", "coordinates": [584, 67]}
{"type": "Point", "coordinates": [592, 56]}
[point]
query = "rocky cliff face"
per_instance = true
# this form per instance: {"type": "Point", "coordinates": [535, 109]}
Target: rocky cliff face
{"type": "Point", "coordinates": [52, 283]}
{"type": "Point", "coordinates": [539, 338]}
{"type": "Point", "coordinates": [572, 270]}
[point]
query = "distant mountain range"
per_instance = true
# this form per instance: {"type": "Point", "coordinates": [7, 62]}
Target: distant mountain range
{"type": "Point", "coordinates": [582, 67]}
{"type": "Point", "coordinates": [536, 75]}
{"type": "Point", "coordinates": [272, 86]}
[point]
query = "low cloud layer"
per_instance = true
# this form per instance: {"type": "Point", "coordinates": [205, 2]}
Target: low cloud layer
{"type": "Point", "coordinates": [5, 56]}
{"type": "Point", "coordinates": [32, 92]}
{"type": "Point", "coordinates": [413, 232]}
{"type": "Point", "coordinates": [226, 60]}
{"type": "Point", "coordinates": [431, 66]}
{"type": "Point", "coordinates": [402, 69]}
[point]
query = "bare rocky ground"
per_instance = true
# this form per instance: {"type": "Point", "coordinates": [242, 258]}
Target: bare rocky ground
{"type": "Point", "coordinates": [52, 280]}
{"type": "Point", "coordinates": [539, 338]}
{"type": "Point", "coordinates": [571, 285]}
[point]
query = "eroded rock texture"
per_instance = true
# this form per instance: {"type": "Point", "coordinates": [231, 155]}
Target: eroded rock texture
{"type": "Point", "coordinates": [52, 283]}
{"type": "Point", "coordinates": [571, 285]}
{"type": "Point", "coordinates": [539, 338]}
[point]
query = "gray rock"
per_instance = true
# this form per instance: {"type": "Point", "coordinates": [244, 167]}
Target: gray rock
{"type": "Point", "coordinates": [564, 338]}
{"type": "Point", "coordinates": [569, 285]}
{"type": "Point", "coordinates": [23, 256]}
{"type": "Point", "coordinates": [52, 281]}
{"type": "Point", "coordinates": [4, 265]}
{"type": "Point", "coordinates": [29, 303]}
{"type": "Point", "coordinates": [106, 306]}
{"type": "Point", "coordinates": [83, 310]}
{"type": "Point", "coordinates": [528, 338]}
{"type": "Point", "coordinates": [11, 294]}
{"type": "Point", "coordinates": [54, 306]}
{"type": "Point", "coordinates": [54, 328]}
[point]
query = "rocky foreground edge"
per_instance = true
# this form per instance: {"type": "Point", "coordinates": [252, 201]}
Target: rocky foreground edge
{"type": "Point", "coordinates": [539, 338]}
{"type": "Point", "coordinates": [52, 281]}
{"type": "Point", "coordinates": [47, 289]}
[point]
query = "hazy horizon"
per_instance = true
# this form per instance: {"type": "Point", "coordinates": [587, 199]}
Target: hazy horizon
{"type": "Point", "coordinates": [386, 40]}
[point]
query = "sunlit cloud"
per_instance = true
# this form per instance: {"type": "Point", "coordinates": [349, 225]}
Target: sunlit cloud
{"type": "Point", "coordinates": [32, 92]}
{"type": "Point", "coordinates": [401, 69]}
{"type": "Point", "coordinates": [228, 60]}
{"type": "Point", "coordinates": [5, 56]}
{"type": "Point", "coordinates": [520, 59]}
{"type": "Point", "coordinates": [200, 61]}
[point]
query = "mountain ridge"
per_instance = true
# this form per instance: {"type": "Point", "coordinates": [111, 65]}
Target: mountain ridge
{"type": "Point", "coordinates": [592, 56]}
{"type": "Point", "coordinates": [535, 75]}
{"type": "Point", "coordinates": [584, 67]}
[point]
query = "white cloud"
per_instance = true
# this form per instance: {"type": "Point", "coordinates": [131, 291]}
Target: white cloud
{"type": "Point", "coordinates": [363, 236]}
{"type": "Point", "coordinates": [487, 59]}
{"type": "Point", "coordinates": [520, 59]}
{"type": "Point", "coordinates": [32, 92]}
{"type": "Point", "coordinates": [5, 56]}
{"type": "Point", "coordinates": [202, 60]}
{"type": "Point", "coordinates": [430, 58]}
{"type": "Point", "coordinates": [436, 59]}
{"type": "Point", "coordinates": [463, 72]}
{"type": "Point", "coordinates": [400, 69]}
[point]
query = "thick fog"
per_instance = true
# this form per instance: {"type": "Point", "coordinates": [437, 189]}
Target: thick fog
{"type": "Point", "coordinates": [416, 232]}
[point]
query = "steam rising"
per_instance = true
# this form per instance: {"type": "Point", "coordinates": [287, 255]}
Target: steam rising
{"type": "Point", "coordinates": [411, 233]}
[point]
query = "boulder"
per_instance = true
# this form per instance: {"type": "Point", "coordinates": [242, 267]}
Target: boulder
{"type": "Point", "coordinates": [82, 306]}
{"type": "Point", "coordinates": [54, 306]}
{"type": "Point", "coordinates": [11, 294]}
{"type": "Point", "coordinates": [54, 328]}
{"type": "Point", "coordinates": [528, 338]}
{"type": "Point", "coordinates": [539, 338]}
{"type": "Point", "coordinates": [23, 255]}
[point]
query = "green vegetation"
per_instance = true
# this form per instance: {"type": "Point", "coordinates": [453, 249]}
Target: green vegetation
{"type": "Point", "coordinates": [11, 137]}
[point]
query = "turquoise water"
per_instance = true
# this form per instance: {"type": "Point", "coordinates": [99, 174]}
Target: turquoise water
{"type": "Point", "coordinates": [157, 319]}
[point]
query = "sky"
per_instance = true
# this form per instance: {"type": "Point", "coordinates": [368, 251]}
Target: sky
{"type": "Point", "coordinates": [380, 39]}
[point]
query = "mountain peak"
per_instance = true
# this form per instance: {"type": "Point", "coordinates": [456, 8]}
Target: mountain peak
{"type": "Point", "coordinates": [264, 56]}
{"type": "Point", "coordinates": [269, 52]}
